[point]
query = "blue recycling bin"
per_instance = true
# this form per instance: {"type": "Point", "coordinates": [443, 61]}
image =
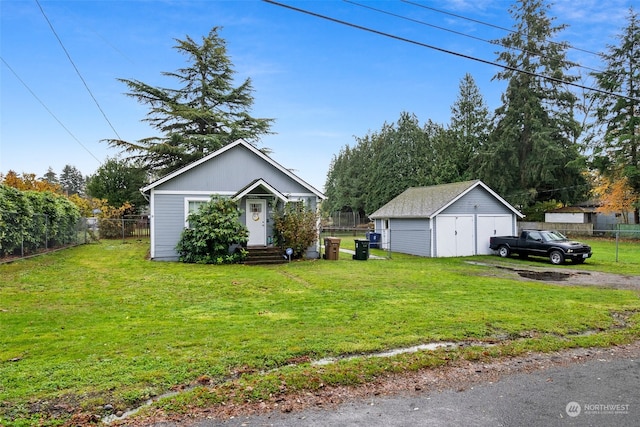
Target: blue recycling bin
{"type": "Point", "coordinates": [374, 240]}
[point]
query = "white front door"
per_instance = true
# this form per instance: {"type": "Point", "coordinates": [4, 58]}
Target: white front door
{"type": "Point", "coordinates": [257, 222]}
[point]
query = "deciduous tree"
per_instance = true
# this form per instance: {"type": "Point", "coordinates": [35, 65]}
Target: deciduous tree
{"type": "Point", "coordinates": [28, 181]}
{"type": "Point", "coordinates": [119, 182]}
{"type": "Point", "coordinates": [617, 197]}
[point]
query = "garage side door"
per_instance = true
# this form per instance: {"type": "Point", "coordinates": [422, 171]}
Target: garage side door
{"type": "Point", "coordinates": [455, 235]}
{"type": "Point", "coordinates": [492, 225]}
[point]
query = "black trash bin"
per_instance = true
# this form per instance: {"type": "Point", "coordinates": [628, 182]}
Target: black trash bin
{"type": "Point", "coordinates": [362, 250]}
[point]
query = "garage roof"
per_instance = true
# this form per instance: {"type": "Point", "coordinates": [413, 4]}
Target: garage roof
{"type": "Point", "coordinates": [426, 202]}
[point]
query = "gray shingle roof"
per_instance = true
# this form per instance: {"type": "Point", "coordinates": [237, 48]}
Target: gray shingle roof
{"type": "Point", "coordinates": [421, 202]}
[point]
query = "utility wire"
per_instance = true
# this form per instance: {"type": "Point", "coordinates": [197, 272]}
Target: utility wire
{"type": "Point", "coordinates": [76, 68]}
{"type": "Point", "coordinates": [417, 21]}
{"type": "Point", "coordinates": [48, 110]}
{"type": "Point", "coordinates": [486, 24]}
{"type": "Point", "coordinates": [439, 49]}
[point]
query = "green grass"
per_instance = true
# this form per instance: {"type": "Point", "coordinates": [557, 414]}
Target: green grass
{"type": "Point", "coordinates": [101, 324]}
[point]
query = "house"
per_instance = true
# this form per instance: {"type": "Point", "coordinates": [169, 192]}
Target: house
{"type": "Point", "coordinates": [239, 170]}
{"type": "Point", "coordinates": [587, 213]}
{"type": "Point", "coordinates": [445, 220]}
{"type": "Point", "coordinates": [571, 215]}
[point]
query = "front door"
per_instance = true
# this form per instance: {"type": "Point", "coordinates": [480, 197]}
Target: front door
{"type": "Point", "coordinates": [257, 222]}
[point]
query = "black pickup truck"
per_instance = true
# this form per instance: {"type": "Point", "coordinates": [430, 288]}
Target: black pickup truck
{"type": "Point", "coordinates": [541, 243]}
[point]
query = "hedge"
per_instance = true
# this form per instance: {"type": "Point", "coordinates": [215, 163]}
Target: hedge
{"type": "Point", "coordinates": [32, 220]}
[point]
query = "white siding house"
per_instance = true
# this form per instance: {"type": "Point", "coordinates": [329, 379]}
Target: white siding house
{"type": "Point", "coordinates": [571, 215]}
{"type": "Point", "coordinates": [445, 220]}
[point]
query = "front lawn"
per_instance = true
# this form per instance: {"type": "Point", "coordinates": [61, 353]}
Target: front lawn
{"type": "Point", "coordinates": [99, 324]}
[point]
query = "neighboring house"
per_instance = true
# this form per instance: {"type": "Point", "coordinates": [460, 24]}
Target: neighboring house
{"type": "Point", "coordinates": [586, 213]}
{"type": "Point", "coordinates": [571, 215]}
{"type": "Point", "coordinates": [445, 220]}
{"type": "Point", "coordinates": [240, 171]}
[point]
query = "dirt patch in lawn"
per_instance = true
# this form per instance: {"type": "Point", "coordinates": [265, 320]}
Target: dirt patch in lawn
{"type": "Point", "coordinates": [564, 276]}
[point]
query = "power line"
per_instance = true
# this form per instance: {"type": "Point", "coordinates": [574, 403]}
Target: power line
{"type": "Point", "coordinates": [417, 21]}
{"type": "Point", "coordinates": [486, 23]}
{"type": "Point", "coordinates": [76, 68]}
{"type": "Point", "coordinates": [450, 52]}
{"type": "Point", "coordinates": [48, 110]}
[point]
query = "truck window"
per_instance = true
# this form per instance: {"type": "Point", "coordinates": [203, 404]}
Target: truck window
{"type": "Point", "coordinates": [534, 235]}
{"type": "Point", "coordinates": [553, 236]}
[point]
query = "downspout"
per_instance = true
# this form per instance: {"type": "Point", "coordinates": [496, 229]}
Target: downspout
{"type": "Point", "coordinates": [152, 249]}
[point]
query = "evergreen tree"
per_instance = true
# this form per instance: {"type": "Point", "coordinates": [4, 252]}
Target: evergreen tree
{"type": "Point", "coordinates": [50, 176]}
{"type": "Point", "coordinates": [468, 130]}
{"type": "Point", "coordinates": [348, 178]}
{"type": "Point", "coordinates": [532, 155]}
{"type": "Point", "coordinates": [205, 113]}
{"type": "Point", "coordinates": [618, 154]}
{"type": "Point", "coordinates": [385, 163]}
{"type": "Point", "coordinates": [72, 181]}
{"type": "Point", "coordinates": [398, 160]}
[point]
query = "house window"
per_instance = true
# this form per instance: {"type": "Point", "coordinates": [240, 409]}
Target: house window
{"type": "Point", "coordinates": [192, 205]}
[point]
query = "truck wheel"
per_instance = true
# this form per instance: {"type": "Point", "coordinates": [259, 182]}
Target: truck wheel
{"type": "Point", "coordinates": [556, 257]}
{"type": "Point", "coordinates": [504, 251]}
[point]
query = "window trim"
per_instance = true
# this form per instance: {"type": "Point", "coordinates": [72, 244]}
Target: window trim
{"type": "Point", "coordinates": [187, 200]}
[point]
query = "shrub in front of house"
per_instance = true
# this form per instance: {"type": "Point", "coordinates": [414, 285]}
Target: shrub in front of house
{"type": "Point", "coordinates": [295, 227]}
{"type": "Point", "coordinates": [215, 234]}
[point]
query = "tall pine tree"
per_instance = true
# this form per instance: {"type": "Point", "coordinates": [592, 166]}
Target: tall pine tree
{"type": "Point", "coordinates": [531, 155]}
{"type": "Point", "coordinates": [618, 153]}
{"type": "Point", "coordinates": [204, 113]}
{"type": "Point", "coordinates": [468, 130]}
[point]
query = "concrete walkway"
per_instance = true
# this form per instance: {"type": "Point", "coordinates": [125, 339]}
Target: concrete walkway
{"type": "Point", "coordinates": [349, 251]}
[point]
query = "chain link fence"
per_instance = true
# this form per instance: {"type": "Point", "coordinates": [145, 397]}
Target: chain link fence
{"type": "Point", "coordinates": [345, 221]}
{"type": "Point", "coordinates": [43, 235]}
{"type": "Point", "coordinates": [40, 235]}
{"type": "Point", "coordinates": [129, 226]}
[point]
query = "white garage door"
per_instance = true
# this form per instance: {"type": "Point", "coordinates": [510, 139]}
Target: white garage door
{"type": "Point", "coordinates": [455, 236]}
{"type": "Point", "coordinates": [492, 225]}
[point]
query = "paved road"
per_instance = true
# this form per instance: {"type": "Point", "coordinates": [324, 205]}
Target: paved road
{"type": "Point", "coordinates": [604, 391]}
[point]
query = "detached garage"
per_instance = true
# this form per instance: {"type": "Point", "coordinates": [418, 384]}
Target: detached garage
{"type": "Point", "coordinates": [445, 220]}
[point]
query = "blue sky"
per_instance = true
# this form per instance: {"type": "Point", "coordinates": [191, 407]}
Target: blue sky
{"type": "Point", "coordinates": [323, 83]}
